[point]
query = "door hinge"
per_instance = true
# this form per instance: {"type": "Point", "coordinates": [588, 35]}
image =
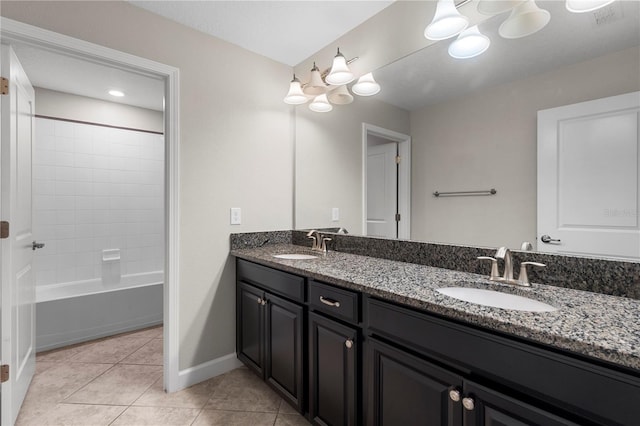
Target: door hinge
{"type": "Point", "coordinates": [398, 158]}
{"type": "Point", "coordinates": [397, 217]}
{"type": "Point", "coordinates": [4, 86]}
{"type": "Point", "coordinates": [4, 373]}
{"type": "Point", "coordinates": [4, 230]}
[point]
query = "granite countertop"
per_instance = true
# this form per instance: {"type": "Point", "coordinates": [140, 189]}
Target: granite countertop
{"type": "Point", "coordinates": [592, 324]}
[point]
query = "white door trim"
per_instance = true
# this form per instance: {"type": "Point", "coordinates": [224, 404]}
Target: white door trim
{"type": "Point", "coordinates": [11, 30]}
{"type": "Point", "coordinates": [404, 176]}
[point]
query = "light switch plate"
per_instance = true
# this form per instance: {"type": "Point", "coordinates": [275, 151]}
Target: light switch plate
{"type": "Point", "coordinates": [236, 216]}
{"type": "Point", "coordinates": [335, 214]}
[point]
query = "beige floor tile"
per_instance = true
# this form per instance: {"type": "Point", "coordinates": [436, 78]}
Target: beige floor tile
{"type": "Point", "coordinates": [68, 414]}
{"type": "Point", "coordinates": [153, 416]}
{"type": "Point", "coordinates": [234, 418]}
{"type": "Point", "coordinates": [61, 380]}
{"type": "Point", "coordinates": [121, 385]}
{"type": "Point", "coordinates": [147, 333]}
{"type": "Point", "coordinates": [150, 354]}
{"type": "Point", "coordinates": [195, 396]}
{"type": "Point", "coordinates": [263, 405]}
{"type": "Point", "coordinates": [287, 408]}
{"type": "Point", "coordinates": [109, 351]}
{"type": "Point", "coordinates": [63, 354]}
{"type": "Point", "coordinates": [291, 420]}
{"type": "Point", "coordinates": [42, 366]}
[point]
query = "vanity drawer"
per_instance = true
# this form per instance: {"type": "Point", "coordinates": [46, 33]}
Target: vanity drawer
{"type": "Point", "coordinates": [282, 283]}
{"type": "Point", "coordinates": [337, 302]}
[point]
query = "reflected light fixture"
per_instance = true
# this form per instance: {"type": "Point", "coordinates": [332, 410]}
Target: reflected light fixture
{"type": "Point", "coordinates": [320, 104]}
{"type": "Point", "coordinates": [315, 86]}
{"type": "Point", "coordinates": [495, 7]}
{"type": "Point", "coordinates": [447, 21]}
{"type": "Point", "coordinates": [366, 86]}
{"type": "Point", "coordinates": [470, 43]}
{"type": "Point", "coordinates": [295, 96]}
{"type": "Point", "coordinates": [525, 19]}
{"type": "Point", "coordinates": [340, 72]}
{"type": "Point", "coordinates": [581, 6]}
{"type": "Point", "coordinates": [340, 95]}
{"type": "Point", "coordinates": [116, 93]}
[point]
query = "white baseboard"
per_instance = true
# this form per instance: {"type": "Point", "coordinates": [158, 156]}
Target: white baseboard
{"type": "Point", "coordinates": [207, 370]}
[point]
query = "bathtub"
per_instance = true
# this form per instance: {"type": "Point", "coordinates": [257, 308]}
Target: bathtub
{"type": "Point", "coordinates": [75, 312]}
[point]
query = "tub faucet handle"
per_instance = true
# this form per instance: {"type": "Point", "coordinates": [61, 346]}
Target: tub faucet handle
{"type": "Point", "coordinates": [36, 245]}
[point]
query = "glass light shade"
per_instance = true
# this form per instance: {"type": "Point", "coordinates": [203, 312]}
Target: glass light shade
{"type": "Point", "coordinates": [340, 72]}
{"type": "Point", "coordinates": [315, 86]}
{"type": "Point", "coordinates": [581, 6]}
{"type": "Point", "coordinates": [469, 43]}
{"type": "Point", "coordinates": [320, 104]}
{"type": "Point", "coordinates": [446, 23]}
{"type": "Point", "coordinates": [525, 19]}
{"type": "Point", "coordinates": [366, 86]}
{"type": "Point", "coordinates": [495, 7]}
{"type": "Point", "coordinates": [340, 96]}
{"type": "Point", "coordinates": [295, 96]}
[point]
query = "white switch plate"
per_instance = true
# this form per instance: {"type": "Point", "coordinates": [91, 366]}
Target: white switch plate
{"type": "Point", "coordinates": [335, 214]}
{"type": "Point", "coordinates": [236, 216]}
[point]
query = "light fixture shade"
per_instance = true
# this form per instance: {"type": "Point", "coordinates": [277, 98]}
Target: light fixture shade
{"type": "Point", "coordinates": [446, 23]}
{"type": "Point", "coordinates": [366, 86]}
{"type": "Point", "coordinates": [320, 104]}
{"type": "Point", "coordinates": [525, 19]}
{"type": "Point", "coordinates": [340, 72]}
{"type": "Point", "coordinates": [315, 86]}
{"type": "Point", "coordinates": [495, 7]}
{"type": "Point", "coordinates": [470, 43]}
{"type": "Point", "coordinates": [340, 96]}
{"type": "Point", "coordinates": [295, 96]}
{"type": "Point", "coordinates": [581, 6]}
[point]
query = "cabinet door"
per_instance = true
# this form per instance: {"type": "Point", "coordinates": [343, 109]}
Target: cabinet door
{"type": "Point", "coordinates": [283, 346]}
{"type": "Point", "coordinates": [486, 407]}
{"type": "Point", "coordinates": [333, 375]}
{"type": "Point", "coordinates": [250, 326]}
{"type": "Point", "coordinates": [406, 390]}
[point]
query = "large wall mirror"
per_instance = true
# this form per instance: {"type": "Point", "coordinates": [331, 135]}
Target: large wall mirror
{"type": "Point", "coordinates": [473, 126]}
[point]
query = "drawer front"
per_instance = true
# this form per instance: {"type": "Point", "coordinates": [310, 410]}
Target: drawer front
{"type": "Point", "coordinates": [336, 302]}
{"type": "Point", "coordinates": [281, 283]}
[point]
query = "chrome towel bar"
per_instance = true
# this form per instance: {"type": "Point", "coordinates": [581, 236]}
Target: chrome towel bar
{"type": "Point", "coordinates": [491, 191]}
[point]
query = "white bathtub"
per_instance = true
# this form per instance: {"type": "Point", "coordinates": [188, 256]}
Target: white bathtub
{"type": "Point", "coordinates": [75, 312]}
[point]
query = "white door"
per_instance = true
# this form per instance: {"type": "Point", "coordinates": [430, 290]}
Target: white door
{"type": "Point", "coordinates": [18, 291]}
{"type": "Point", "coordinates": [589, 178]}
{"type": "Point", "coordinates": [382, 190]}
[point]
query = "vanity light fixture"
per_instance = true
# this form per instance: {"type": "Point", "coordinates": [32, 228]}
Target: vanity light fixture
{"type": "Point", "coordinates": [366, 86]}
{"type": "Point", "coordinates": [320, 104]}
{"type": "Point", "coordinates": [470, 43]}
{"type": "Point", "coordinates": [340, 72]}
{"type": "Point", "coordinates": [581, 6]}
{"type": "Point", "coordinates": [116, 93]}
{"type": "Point", "coordinates": [295, 96]}
{"type": "Point", "coordinates": [340, 96]}
{"type": "Point", "coordinates": [447, 21]}
{"type": "Point", "coordinates": [525, 19]}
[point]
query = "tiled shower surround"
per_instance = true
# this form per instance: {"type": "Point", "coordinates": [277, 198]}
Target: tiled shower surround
{"type": "Point", "coordinates": [96, 188]}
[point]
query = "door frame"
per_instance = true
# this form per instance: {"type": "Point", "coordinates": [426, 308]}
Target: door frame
{"type": "Point", "coordinates": [14, 31]}
{"type": "Point", "coordinates": [404, 176]}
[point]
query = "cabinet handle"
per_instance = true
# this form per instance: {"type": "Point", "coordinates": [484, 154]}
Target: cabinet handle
{"type": "Point", "coordinates": [330, 302]}
{"type": "Point", "coordinates": [348, 343]}
{"type": "Point", "coordinates": [468, 404]}
{"type": "Point", "coordinates": [454, 395]}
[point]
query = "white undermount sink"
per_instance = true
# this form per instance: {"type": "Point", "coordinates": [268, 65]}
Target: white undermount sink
{"type": "Point", "coordinates": [295, 256]}
{"type": "Point", "coordinates": [496, 299]}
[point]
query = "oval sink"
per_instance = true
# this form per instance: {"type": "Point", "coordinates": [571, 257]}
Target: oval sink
{"type": "Point", "coordinates": [295, 256]}
{"type": "Point", "coordinates": [496, 299]}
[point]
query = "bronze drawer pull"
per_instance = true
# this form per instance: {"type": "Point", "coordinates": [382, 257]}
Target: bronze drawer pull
{"type": "Point", "coordinates": [330, 302]}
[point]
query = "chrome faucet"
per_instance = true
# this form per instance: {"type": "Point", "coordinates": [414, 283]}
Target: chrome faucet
{"type": "Point", "coordinates": [505, 254]}
{"type": "Point", "coordinates": [507, 276]}
{"type": "Point", "coordinates": [319, 241]}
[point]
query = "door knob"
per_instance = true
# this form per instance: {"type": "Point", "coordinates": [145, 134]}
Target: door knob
{"type": "Point", "coordinates": [36, 246]}
{"type": "Point", "coordinates": [547, 239]}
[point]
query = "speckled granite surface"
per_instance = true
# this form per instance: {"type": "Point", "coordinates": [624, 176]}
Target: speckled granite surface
{"type": "Point", "coordinates": [596, 325]}
{"type": "Point", "coordinates": [259, 239]}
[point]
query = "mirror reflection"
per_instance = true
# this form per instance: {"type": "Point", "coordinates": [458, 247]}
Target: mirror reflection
{"type": "Point", "coordinates": [466, 125]}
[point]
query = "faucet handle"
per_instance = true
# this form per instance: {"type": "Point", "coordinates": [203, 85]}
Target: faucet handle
{"type": "Point", "coordinates": [523, 278]}
{"type": "Point", "coordinates": [323, 244]}
{"type": "Point", "coordinates": [495, 275]}
{"type": "Point", "coordinates": [313, 235]}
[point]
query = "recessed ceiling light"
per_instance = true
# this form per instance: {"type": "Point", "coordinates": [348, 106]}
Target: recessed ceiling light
{"type": "Point", "coordinates": [116, 93]}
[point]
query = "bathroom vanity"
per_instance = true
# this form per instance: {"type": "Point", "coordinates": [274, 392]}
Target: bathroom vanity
{"type": "Point", "coordinates": [350, 340]}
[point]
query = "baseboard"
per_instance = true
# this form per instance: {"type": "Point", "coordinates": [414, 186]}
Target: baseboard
{"type": "Point", "coordinates": [207, 370]}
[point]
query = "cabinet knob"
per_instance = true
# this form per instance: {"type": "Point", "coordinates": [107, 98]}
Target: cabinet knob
{"type": "Point", "coordinates": [468, 404]}
{"type": "Point", "coordinates": [348, 343]}
{"type": "Point", "coordinates": [259, 300]}
{"type": "Point", "coordinates": [454, 395]}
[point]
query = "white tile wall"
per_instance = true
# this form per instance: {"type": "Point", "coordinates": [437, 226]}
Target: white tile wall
{"type": "Point", "coordinates": [96, 188]}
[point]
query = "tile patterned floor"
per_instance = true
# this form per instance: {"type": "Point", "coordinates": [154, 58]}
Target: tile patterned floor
{"type": "Point", "coordinates": [118, 381]}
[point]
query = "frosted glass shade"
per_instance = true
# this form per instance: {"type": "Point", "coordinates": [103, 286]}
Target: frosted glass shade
{"type": "Point", "coordinates": [340, 72]}
{"type": "Point", "coordinates": [366, 86]}
{"type": "Point", "coordinates": [525, 19]}
{"type": "Point", "coordinates": [295, 96]}
{"type": "Point", "coordinates": [495, 7]}
{"type": "Point", "coordinates": [340, 96]}
{"type": "Point", "coordinates": [469, 43]}
{"type": "Point", "coordinates": [581, 6]}
{"type": "Point", "coordinates": [446, 23]}
{"type": "Point", "coordinates": [320, 104]}
{"type": "Point", "coordinates": [315, 86]}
